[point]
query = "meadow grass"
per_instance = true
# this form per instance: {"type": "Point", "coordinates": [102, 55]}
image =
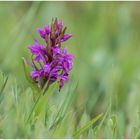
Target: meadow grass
{"type": "Point", "coordinates": [101, 99]}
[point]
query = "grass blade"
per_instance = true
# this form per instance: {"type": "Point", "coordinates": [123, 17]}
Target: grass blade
{"type": "Point", "coordinates": [84, 128]}
{"type": "Point", "coordinates": [64, 107]}
{"type": "Point", "coordinates": [4, 84]}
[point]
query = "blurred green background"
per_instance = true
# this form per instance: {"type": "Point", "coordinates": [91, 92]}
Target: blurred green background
{"type": "Point", "coordinates": [106, 45]}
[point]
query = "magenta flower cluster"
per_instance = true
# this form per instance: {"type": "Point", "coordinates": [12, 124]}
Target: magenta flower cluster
{"type": "Point", "coordinates": [50, 62]}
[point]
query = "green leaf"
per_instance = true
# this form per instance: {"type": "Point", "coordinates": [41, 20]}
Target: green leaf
{"type": "Point", "coordinates": [41, 100]}
{"type": "Point", "coordinates": [84, 128]}
{"type": "Point", "coordinates": [44, 97]}
{"type": "Point", "coordinates": [33, 85]}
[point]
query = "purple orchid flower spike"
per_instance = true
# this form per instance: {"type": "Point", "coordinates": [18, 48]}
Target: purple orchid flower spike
{"type": "Point", "coordinates": [44, 32]}
{"type": "Point", "coordinates": [66, 37]}
{"type": "Point", "coordinates": [51, 63]}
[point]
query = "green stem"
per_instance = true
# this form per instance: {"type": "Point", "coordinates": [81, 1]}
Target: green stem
{"type": "Point", "coordinates": [42, 93]}
{"type": "Point", "coordinates": [33, 108]}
